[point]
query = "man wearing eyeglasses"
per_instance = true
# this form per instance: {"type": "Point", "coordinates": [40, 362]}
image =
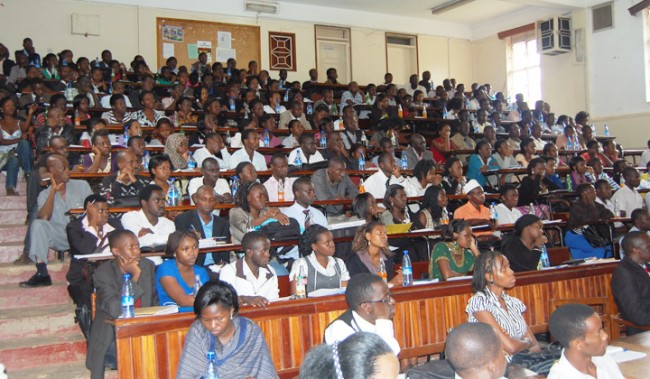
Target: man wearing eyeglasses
{"type": "Point", "coordinates": [370, 309]}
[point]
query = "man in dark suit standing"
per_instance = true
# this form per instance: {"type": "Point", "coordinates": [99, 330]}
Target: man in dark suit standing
{"type": "Point", "coordinates": [631, 281]}
{"type": "Point", "coordinates": [417, 151]}
{"type": "Point", "coordinates": [7, 63]}
{"type": "Point", "coordinates": [206, 225]}
{"type": "Point", "coordinates": [108, 279]}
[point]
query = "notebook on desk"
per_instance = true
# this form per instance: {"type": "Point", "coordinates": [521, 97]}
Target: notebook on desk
{"type": "Point", "coordinates": [398, 228]}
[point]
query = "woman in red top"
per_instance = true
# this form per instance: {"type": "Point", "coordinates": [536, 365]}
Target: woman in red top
{"type": "Point", "coordinates": [442, 144]}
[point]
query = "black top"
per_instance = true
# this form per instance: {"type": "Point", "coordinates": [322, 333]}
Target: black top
{"type": "Point", "coordinates": [631, 291]}
{"type": "Point", "coordinates": [356, 266]}
{"type": "Point", "coordinates": [520, 257]}
{"type": "Point", "coordinates": [529, 190]}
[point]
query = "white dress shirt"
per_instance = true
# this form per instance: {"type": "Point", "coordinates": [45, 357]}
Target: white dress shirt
{"type": "Point", "coordinates": [376, 184]}
{"type": "Point", "coordinates": [645, 158]}
{"type": "Point", "coordinates": [221, 187]}
{"type": "Point", "coordinates": [507, 216]}
{"type": "Point", "coordinates": [339, 330]}
{"type": "Point", "coordinates": [628, 200]}
{"type": "Point", "coordinates": [272, 185]}
{"type": "Point", "coordinates": [290, 142]}
{"type": "Point", "coordinates": [296, 211]}
{"type": "Point", "coordinates": [136, 220]}
{"type": "Point", "coordinates": [201, 154]}
{"type": "Point", "coordinates": [317, 157]}
{"type": "Point", "coordinates": [269, 110]}
{"type": "Point", "coordinates": [347, 95]}
{"type": "Point", "coordinates": [606, 368]}
{"type": "Point", "coordinates": [246, 284]}
{"type": "Point", "coordinates": [242, 156]}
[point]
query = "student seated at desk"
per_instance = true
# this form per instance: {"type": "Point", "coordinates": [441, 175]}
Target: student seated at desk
{"type": "Point", "coordinates": [149, 223]}
{"type": "Point", "coordinates": [507, 212]}
{"type": "Point", "coordinates": [455, 256]}
{"type": "Point", "coordinates": [397, 212]}
{"type": "Point", "coordinates": [371, 253]}
{"type": "Point", "coordinates": [211, 171]}
{"type": "Point", "coordinates": [580, 331]}
{"type": "Point", "coordinates": [474, 351]}
{"type": "Point", "coordinates": [583, 213]}
{"type": "Point", "coordinates": [123, 187]}
{"type": "Point", "coordinates": [108, 279]}
{"type": "Point", "coordinates": [523, 246]}
{"type": "Point", "coordinates": [177, 278]}
{"type": "Point", "coordinates": [238, 344]}
{"type": "Point", "coordinates": [433, 213]}
{"type": "Point", "coordinates": [177, 150]}
{"type": "Point", "coordinates": [532, 184]}
{"type": "Point", "coordinates": [254, 279]}
{"type": "Point", "coordinates": [163, 129]}
{"type": "Point", "coordinates": [322, 269]}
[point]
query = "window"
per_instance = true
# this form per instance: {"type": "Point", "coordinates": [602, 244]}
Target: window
{"type": "Point", "coordinates": [523, 62]}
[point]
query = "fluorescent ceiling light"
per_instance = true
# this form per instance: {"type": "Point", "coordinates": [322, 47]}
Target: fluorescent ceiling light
{"type": "Point", "coordinates": [262, 6]}
{"type": "Point", "coordinates": [451, 4]}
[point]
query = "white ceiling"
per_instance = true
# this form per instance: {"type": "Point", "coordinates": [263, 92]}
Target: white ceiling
{"type": "Point", "coordinates": [476, 12]}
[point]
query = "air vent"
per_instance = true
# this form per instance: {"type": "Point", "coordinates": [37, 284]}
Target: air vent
{"type": "Point", "coordinates": [603, 16]}
{"type": "Point", "coordinates": [401, 40]}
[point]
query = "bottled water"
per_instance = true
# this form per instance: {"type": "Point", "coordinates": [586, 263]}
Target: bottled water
{"type": "Point", "coordinates": [569, 144]}
{"type": "Point", "coordinates": [531, 209]}
{"type": "Point", "coordinates": [335, 110]}
{"type": "Point", "coordinates": [191, 163]}
{"type": "Point", "coordinates": [234, 185]}
{"type": "Point", "coordinates": [298, 161]}
{"type": "Point", "coordinates": [267, 138]}
{"type": "Point", "coordinates": [364, 139]}
{"type": "Point", "coordinates": [407, 269]}
{"type": "Point", "coordinates": [400, 111]}
{"type": "Point", "coordinates": [546, 263]}
{"type": "Point", "coordinates": [404, 161]}
{"type": "Point", "coordinates": [125, 141]}
{"type": "Point", "coordinates": [301, 284]}
{"type": "Point", "coordinates": [382, 271]}
{"type": "Point", "coordinates": [362, 187]}
{"type": "Point", "coordinates": [128, 303]}
{"type": "Point", "coordinates": [606, 132]}
{"type": "Point", "coordinates": [310, 108]}
{"type": "Point", "coordinates": [172, 194]}
{"type": "Point", "coordinates": [280, 190]}
{"type": "Point", "coordinates": [145, 160]}
{"type": "Point", "coordinates": [493, 213]}
{"type": "Point", "coordinates": [277, 108]}
{"type": "Point", "coordinates": [232, 104]}
{"type": "Point", "coordinates": [445, 113]}
{"type": "Point", "coordinates": [444, 219]}
{"type": "Point", "coordinates": [211, 372]}
{"type": "Point", "coordinates": [323, 140]}
{"type": "Point", "coordinates": [362, 161]}
{"type": "Point", "coordinates": [197, 285]}
{"type": "Point", "coordinates": [286, 96]}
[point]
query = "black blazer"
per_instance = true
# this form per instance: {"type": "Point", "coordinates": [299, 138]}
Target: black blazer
{"type": "Point", "coordinates": [7, 65]}
{"type": "Point", "coordinates": [189, 220]}
{"type": "Point", "coordinates": [631, 290]}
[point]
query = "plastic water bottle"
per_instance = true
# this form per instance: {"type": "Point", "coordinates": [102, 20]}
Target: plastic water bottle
{"type": "Point", "coordinates": [400, 111]}
{"type": "Point", "coordinates": [234, 185]}
{"type": "Point", "coordinates": [546, 263]}
{"type": "Point", "coordinates": [280, 190]}
{"type": "Point", "coordinates": [445, 112]}
{"type": "Point", "coordinates": [125, 140]}
{"type": "Point", "coordinates": [145, 160]}
{"type": "Point", "coordinates": [96, 61]}
{"type": "Point", "coordinates": [493, 213]}
{"type": "Point", "coordinates": [606, 132]}
{"type": "Point", "coordinates": [267, 138]}
{"type": "Point", "coordinates": [172, 195]}
{"type": "Point", "coordinates": [540, 118]}
{"type": "Point", "coordinates": [191, 163]}
{"type": "Point", "coordinates": [335, 110]}
{"type": "Point", "coordinates": [301, 284]}
{"type": "Point", "coordinates": [617, 208]}
{"type": "Point", "coordinates": [232, 104]}
{"type": "Point", "coordinates": [323, 140]}
{"type": "Point", "coordinates": [286, 96]}
{"type": "Point", "coordinates": [382, 271]}
{"type": "Point", "coordinates": [368, 98]}
{"type": "Point", "coordinates": [407, 269]}
{"type": "Point", "coordinates": [362, 187]}
{"type": "Point", "coordinates": [128, 303]}
{"type": "Point", "coordinates": [362, 161]}
{"type": "Point", "coordinates": [277, 108]}
{"type": "Point", "coordinates": [211, 372]}
{"type": "Point", "coordinates": [404, 161]}
{"type": "Point", "coordinates": [424, 112]}
{"type": "Point", "coordinates": [197, 285]}
{"type": "Point", "coordinates": [569, 144]}
{"type": "Point", "coordinates": [444, 218]}
{"type": "Point", "coordinates": [298, 161]}
{"type": "Point", "coordinates": [310, 108]}
{"type": "Point", "coordinates": [364, 139]}
{"type": "Point", "coordinates": [531, 209]}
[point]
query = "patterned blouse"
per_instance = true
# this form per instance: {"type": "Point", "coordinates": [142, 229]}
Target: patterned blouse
{"type": "Point", "coordinates": [511, 319]}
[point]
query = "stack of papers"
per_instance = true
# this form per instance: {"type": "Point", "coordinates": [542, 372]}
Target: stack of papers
{"type": "Point", "coordinates": [155, 311]}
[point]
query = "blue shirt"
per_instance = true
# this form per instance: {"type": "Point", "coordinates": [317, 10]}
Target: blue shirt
{"type": "Point", "coordinates": [207, 232]}
{"type": "Point", "coordinates": [474, 169]}
{"type": "Point", "coordinates": [169, 268]}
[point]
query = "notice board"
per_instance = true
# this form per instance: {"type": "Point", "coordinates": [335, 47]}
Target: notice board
{"type": "Point", "coordinates": [184, 39]}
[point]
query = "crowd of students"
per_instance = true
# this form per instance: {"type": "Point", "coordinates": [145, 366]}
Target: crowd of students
{"type": "Point", "coordinates": [37, 134]}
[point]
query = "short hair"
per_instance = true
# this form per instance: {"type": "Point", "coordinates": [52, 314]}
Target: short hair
{"type": "Point", "coordinates": [471, 345]}
{"type": "Point", "coordinates": [499, 143]}
{"type": "Point", "coordinates": [581, 116]}
{"type": "Point", "coordinates": [305, 137]}
{"type": "Point", "coordinates": [629, 170]}
{"type": "Point", "coordinates": [422, 168]}
{"type": "Point", "coordinates": [506, 188]}
{"type": "Point", "coordinates": [147, 191]}
{"type": "Point", "coordinates": [593, 161]}
{"type": "Point", "coordinates": [133, 139]}
{"type": "Point", "coordinates": [601, 182]}
{"type": "Point", "coordinates": [632, 240]}
{"type": "Point", "coordinates": [116, 235]}
{"type": "Point", "coordinates": [484, 264]}
{"type": "Point", "coordinates": [592, 143]}
{"type": "Point", "coordinates": [174, 240]}
{"type": "Point", "coordinates": [94, 199]}
{"type": "Point", "coordinates": [480, 144]}
{"type": "Point", "coordinates": [534, 162]}
{"type": "Point", "coordinates": [637, 214]}
{"type": "Point", "coordinates": [157, 160]}
{"type": "Point", "coordinates": [250, 239]}
{"type": "Point", "coordinates": [98, 134]}
{"type": "Point", "coordinates": [115, 98]}
{"type": "Point", "coordinates": [582, 188]}
{"type": "Point", "coordinates": [240, 167]}
{"type": "Point", "coordinates": [568, 322]}
{"type": "Point", "coordinates": [143, 94]}
{"type": "Point", "coordinates": [309, 237]}
{"type": "Point", "coordinates": [360, 289]}
{"type": "Point", "coordinates": [356, 357]}
{"type": "Point", "coordinates": [524, 142]}
{"type": "Point", "coordinates": [247, 132]}
{"type": "Point", "coordinates": [336, 160]}
{"type": "Point", "coordinates": [218, 293]}
{"type": "Point", "coordinates": [574, 162]}
{"type": "Point", "coordinates": [385, 158]}
{"type": "Point", "coordinates": [302, 181]}
{"type": "Point", "coordinates": [292, 123]}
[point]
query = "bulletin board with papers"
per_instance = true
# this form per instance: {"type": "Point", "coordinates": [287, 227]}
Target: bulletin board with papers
{"type": "Point", "coordinates": [185, 39]}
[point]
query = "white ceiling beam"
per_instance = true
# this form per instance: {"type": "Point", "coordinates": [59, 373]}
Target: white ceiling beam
{"type": "Point", "coordinates": [567, 4]}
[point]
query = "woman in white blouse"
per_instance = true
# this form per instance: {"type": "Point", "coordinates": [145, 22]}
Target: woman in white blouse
{"type": "Point", "coordinates": [493, 306]}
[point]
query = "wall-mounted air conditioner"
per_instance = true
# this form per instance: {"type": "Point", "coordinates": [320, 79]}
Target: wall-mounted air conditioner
{"type": "Point", "coordinates": [554, 36]}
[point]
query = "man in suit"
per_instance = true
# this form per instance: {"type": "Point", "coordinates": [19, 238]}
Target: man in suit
{"type": "Point", "coordinates": [108, 279]}
{"type": "Point", "coordinates": [631, 281]}
{"type": "Point", "coordinates": [205, 224]}
{"type": "Point", "coordinates": [417, 151]}
{"type": "Point", "coordinates": [7, 63]}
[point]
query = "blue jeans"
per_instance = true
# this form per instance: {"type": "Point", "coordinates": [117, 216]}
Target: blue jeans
{"type": "Point", "coordinates": [580, 247]}
{"type": "Point", "coordinates": [12, 172]}
{"type": "Point", "coordinates": [25, 155]}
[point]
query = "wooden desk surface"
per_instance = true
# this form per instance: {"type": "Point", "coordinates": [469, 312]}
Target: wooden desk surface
{"type": "Point", "coordinates": [150, 347]}
{"type": "Point", "coordinates": [640, 368]}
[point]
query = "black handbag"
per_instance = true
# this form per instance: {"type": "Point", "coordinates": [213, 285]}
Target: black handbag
{"type": "Point", "coordinates": [278, 232]}
{"type": "Point", "coordinates": [541, 362]}
{"type": "Point", "coordinates": [597, 235]}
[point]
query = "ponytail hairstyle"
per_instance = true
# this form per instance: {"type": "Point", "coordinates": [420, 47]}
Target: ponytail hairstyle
{"type": "Point", "coordinates": [309, 237]}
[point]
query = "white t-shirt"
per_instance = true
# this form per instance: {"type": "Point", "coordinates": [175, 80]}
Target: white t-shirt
{"type": "Point", "coordinates": [606, 368]}
{"type": "Point", "coordinates": [221, 187]}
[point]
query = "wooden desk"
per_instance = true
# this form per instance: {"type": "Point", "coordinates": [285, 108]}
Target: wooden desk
{"type": "Point", "coordinates": [150, 347]}
{"type": "Point", "coordinates": [640, 368]}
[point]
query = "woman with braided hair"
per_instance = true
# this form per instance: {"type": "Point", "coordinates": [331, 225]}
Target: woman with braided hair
{"type": "Point", "coordinates": [316, 246]}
